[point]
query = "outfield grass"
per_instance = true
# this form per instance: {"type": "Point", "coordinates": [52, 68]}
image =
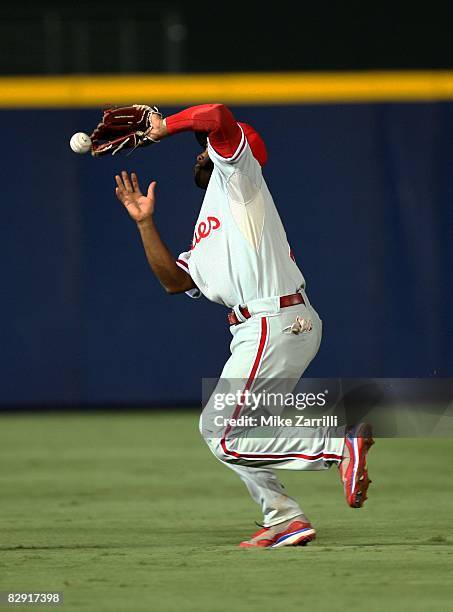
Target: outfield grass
{"type": "Point", "coordinates": [132, 512]}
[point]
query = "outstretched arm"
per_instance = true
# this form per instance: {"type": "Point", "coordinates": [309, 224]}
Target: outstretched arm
{"type": "Point", "coordinates": [129, 127]}
{"type": "Point", "coordinates": [215, 119]}
{"type": "Point", "coordinates": [141, 210]}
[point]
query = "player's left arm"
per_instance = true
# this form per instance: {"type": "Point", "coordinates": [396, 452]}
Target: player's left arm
{"type": "Point", "coordinates": [140, 125]}
{"type": "Point", "coordinates": [216, 120]}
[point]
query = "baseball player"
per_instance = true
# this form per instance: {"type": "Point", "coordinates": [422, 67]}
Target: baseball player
{"type": "Point", "coordinates": [240, 258]}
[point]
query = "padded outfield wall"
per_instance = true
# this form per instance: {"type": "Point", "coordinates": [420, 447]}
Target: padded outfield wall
{"type": "Point", "coordinates": [361, 168]}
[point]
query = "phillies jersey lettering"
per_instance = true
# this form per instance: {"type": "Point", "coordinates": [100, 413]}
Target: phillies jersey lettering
{"type": "Point", "coordinates": [203, 230]}
{"type": "Point", "coordinates": [240, 251]}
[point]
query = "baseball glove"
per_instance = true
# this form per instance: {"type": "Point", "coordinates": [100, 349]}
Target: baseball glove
{"type": "Point", "coordinates": [125, 127]}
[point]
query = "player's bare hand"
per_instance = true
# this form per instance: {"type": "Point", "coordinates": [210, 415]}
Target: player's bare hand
{"type": "Point", "coordinates": [140, 207]}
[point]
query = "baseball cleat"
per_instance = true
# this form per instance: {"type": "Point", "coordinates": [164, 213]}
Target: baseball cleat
{"type": "Point", "coordinates": [289, 533]}
{"type": "Point", "coordinates": [353, 470]}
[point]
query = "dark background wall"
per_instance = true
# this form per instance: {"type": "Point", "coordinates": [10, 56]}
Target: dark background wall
{"type": "Point", "coordinates": [144, 36]}
{"type": "Point", "coordinates": [365, 192]}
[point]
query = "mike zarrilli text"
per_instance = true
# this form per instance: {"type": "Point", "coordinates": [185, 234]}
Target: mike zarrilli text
{"type": "Point", "coordinates": [276, 421]}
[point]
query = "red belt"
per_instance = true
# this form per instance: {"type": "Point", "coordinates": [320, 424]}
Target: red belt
{"type": "Point", "coordinates": [285, 301]}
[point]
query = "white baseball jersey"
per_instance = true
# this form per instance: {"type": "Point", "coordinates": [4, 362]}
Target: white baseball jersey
{"type": "Point", "coordinates": [239, 251]}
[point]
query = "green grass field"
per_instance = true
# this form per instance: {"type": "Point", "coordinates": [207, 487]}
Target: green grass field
{"type": "Point", "coordinates": [132, 512]}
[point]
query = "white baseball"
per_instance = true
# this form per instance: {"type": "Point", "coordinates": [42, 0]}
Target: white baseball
{"type": "Point", "coordinates": [80, 143]}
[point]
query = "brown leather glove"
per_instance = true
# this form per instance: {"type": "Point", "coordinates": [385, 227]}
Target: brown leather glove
{"type": "Point", "coordinates": [125, 127]}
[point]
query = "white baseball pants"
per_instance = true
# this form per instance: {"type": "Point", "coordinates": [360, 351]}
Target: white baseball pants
{"type": "Point", "coordinates": [262, 350]}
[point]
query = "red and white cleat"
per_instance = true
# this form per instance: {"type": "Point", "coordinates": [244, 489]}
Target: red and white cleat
{"type": "Point", "coordinates": [289, 533]}
{"type": "Point", "coordinates": [353, 469]}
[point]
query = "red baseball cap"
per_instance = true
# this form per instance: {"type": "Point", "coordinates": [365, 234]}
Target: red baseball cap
{"type": "Point", "coordinates": [256, 143]}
